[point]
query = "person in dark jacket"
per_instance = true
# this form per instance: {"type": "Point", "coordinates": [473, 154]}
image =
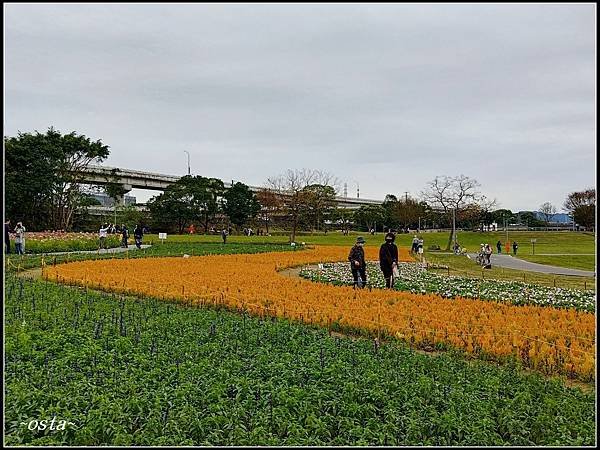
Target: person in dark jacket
{"type": "Point", "coordinates": [138, 234]}
{"type": "Point", "coordinates": [357, 263]}
{"type": "Point", "coordinates": [388, 259]}
{"type": "Point", "coordinates": [124, 236]}
{"type": "Point", "coordinates": [515, 247]}
{"type": "Point", "coordinates": [499, 247]}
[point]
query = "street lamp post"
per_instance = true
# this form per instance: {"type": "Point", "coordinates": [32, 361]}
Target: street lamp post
{"type": "Point", "coordinates": [188, 155]}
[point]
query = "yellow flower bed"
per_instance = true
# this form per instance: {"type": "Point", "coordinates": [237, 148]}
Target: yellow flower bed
{"type": "Point", "coordinates": [548, 339]}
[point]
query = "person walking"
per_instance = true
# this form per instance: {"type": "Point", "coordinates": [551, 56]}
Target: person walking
{"type": "Point", "coordinates": [357, 263]}
{"type": "Point", "coordinates": [515, 247]}
{"type": "Point", "coordinates": [124, 236]}
{"type": "Point", "coordinates": [7, 235]}
{"type": "Point", "coordinates": [103, 233]}
{"type": "Point", "coordinates": [388, 259]}
{"type": "Point", "coordinates": [224, 235]}
{"type": "Point", "coordinates": [138, 235]}
{"type": "Point", "coordinates": [20, 239]}
{"type": "Point", "coordinates": [499, 246]}
{"type": "Point", "coordinates": [420, 247]}
{"type": "Point", "coordinates": [488, 256]}
{"type": "Point", "coordinates": [415, 245]}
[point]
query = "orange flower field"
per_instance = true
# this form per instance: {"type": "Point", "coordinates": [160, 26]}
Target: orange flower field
{"type": "Point", "coordinates": [553, 341]}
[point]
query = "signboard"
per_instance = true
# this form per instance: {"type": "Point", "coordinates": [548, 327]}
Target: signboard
{"type": "Point", "coordinates": [534, 240]}
{"type": "Point", "coordinates": [162, 236]}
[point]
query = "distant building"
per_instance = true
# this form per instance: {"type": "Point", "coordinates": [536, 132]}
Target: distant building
{"type": "Point", "coordinates": [105, 200]}
{"type": "Point", "coordinates": [555, 218]}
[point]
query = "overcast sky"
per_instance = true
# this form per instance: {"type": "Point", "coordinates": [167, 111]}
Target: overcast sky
{"type": "Point", "coordinates": [388, 96]}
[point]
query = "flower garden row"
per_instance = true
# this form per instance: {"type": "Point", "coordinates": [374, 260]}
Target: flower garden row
{"type": "Point", "coordinates": [551, 340]}
{"type": "Point", "coordinates": [417, 279]}
{"type": "Point", "coordinates": [143, 372]}
{"type": "Point", "coordinates": [58, 241]}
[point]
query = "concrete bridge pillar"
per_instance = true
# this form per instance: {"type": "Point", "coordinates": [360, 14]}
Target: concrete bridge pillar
{"type": "Point", "coordinates": [126, 188]}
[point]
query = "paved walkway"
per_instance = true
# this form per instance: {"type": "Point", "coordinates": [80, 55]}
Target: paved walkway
{"type": "Point", "coordinates": [510, 262]}
{"type": "Point", "coordinates": [100, 251]}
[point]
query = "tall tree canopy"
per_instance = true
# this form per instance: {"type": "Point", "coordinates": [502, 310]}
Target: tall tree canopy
{"type": "Point", "coordinates": [319, 202]}
{"type": "Point", "coordinates": [188, 199]}
{"type": "Point", "coordinates": [454, 195]}
{"type": "Point", "coordinates": [293, 187]}
{"type": "Point", "coordinates": [582, 207]}
{"type": "Point", "coordinates": [43, 184]}
{"type": "Point", "coordinates": [369, 216]}
{"type": "Point", "coordinates": [240, 204]}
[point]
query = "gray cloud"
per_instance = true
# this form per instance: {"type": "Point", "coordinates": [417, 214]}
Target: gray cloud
{"type": "Point", "coordinates": [386, 95]}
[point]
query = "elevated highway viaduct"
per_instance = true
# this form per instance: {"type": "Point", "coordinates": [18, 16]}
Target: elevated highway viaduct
{"type": "Point", "coordinates": [136, 179]}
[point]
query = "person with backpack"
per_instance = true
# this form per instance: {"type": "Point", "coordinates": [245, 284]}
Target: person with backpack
{"type": "Point", "coordinates": [515, 247]}
{"type": "Point", "coordinates": [357, 263]}
{"type": "Point", "coordinates": [388, 259]}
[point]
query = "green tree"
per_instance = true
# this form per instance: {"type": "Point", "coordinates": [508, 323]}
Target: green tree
{"type": "Point", "coordinates": [292, 188]}
{"type": "Point", "coordinates": [582, 207]}
{"type": "Point", "coordinates": [188, 199]}
{"type": "Point", "coordinates": [44, 176]}
{"type": "Point", "coordinates": [240, 204]}
{"type": "Point", "coordinates": [369, 216]}
{"type": "Point", "coordinates": [83, 217]}
{"type": "Point", "coordinates": [319, 201]}
{"type": "Point", "coordinates": [407, 212]}
{"type": "Point", "coordinates": [203, 194]}
{"type": "Point", "coordinates": [271, 203]}
{"type": "Point", "coordinates": [530, 219]}
{"type": "Point", "coordinates": [343, 217]}
{"type": "Point", "coordinates": [390, 206]}
{"type": "Point", "coordinates": [171, 208]}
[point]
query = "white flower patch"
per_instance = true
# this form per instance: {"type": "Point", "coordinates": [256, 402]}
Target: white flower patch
{"type": "Point", "coordinates": [416, 279]}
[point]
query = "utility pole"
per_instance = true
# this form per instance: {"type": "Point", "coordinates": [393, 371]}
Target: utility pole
{"type": "Point", "coordinates": [405, 196]}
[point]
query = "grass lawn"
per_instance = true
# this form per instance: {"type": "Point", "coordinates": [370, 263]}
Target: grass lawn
{"type": "Point", "coordinates": [583, 262]}
{"type": "Point", "coordinates": [548, 242]}
{"type": "Point", "coordinates": [462, 266]}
